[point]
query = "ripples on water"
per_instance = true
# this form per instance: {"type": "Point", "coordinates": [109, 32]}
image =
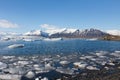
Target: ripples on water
{"type": "Point", "coordinates": [57, 47]}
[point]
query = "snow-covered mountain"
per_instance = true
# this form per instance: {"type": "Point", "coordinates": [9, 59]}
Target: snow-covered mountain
{"type": "Point", "coordinates": [68, 33]}
{"type": "Point", "coordinates": [76, 33]}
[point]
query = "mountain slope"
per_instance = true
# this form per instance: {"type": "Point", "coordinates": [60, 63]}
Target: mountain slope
{"type": "Point", "coordinates": [87, 33]}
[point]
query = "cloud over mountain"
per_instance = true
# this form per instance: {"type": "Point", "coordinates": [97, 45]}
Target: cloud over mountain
{"type": "Point", "coordinates": [7, 24]}
{"type": "Point", "coordinates": [113, 32]}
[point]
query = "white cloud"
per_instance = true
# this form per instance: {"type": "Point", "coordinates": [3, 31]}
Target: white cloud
{"type": "Point", "coordinates": [47, 26]}
{"type": "Point", "coordinates": [51, 29]}
{"type": "Point", "coordinates": [7, 24]}
{"type": "Point", "coordinates": [113, 32]}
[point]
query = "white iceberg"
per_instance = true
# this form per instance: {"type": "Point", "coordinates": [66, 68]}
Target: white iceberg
{"type": "Point", "coordinates": [64, 62]}
{"type": "Point", "coordinates": [80, 65]}
{"type": "Point", "coordinates": [3, 65]}
{"type": "Point", "coordinates": [45, 78]}
{"type": "Point", "coordinates": [30, 74]}
{"type": "Point", "coordinates": [52, 39]}
{"type": "Point", "coordinates": [92, 68]}
{"type": "Point", "coordinates": [16, 46]}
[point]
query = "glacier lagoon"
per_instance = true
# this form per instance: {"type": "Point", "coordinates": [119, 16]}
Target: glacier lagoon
{"type": "Point", "coordinates": [65, 46]}
{"type": "Point", "coordinates": [41, 60]}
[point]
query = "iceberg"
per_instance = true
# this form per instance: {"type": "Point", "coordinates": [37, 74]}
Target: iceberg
{"type": "Point", "coordinates": [52, 39]}
{"type": "Point", "coordinates": [64, 62]}
{"type": "Point", "coordinates": [30, 74]}
{"type": "Point", "coordinates": [80, 65]}
{"type": "Point", "coordinates": [3, 65]}
{"type": "Point", "coordinates": [92, 68]}
{"type": "Point", "coordinates": [16, 46]}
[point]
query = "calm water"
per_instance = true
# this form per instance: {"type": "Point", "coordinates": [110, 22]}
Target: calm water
{"type": "Point", "coordinates": [58, 47]}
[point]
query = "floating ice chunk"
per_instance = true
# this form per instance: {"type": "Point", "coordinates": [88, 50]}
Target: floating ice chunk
{"type": "Point", "coordinates": [89, 57]}
{"type": "Point", "coordinates": [58, 79]}
{"type": "Point", "coordinates": [64, 62]}
{"type": "Point", "coordinates": [3, 65]}
{"type": "Point", "coordinates": [92, 39]}
{"type": "Point", "coordinates": [30, 74]}
{"type": "Point", "coordinates": [45, 78]}
{"type": "Point", "coordinates": [80, 65]}
{"type": "Point", "coordinates": [65, 71]}
{"type": "Point", "coordinates": [47, 59]}
{"type": "Point", "coordinates": [13, 70]}
{"type": "Point", "coordinates": [53, 39]}
{"type": "Point", "coordinates": [93, 59]}
{"type": "Point", "coordinates": [7, 57]}
{"type": "Point", "coordinates": [23, 62]}
{"type": "Point", "coordinates": [100, 54]}
{"type": "Point", "coordinates": [16, 46]}
{"type": "Point", "coordinates": [10, 77]}
{"type": "Point", "coordinates": [117, 51]}
{"type": "Point", "coordinates": [36, 78]}
{"type": "Point", "coordinates": [116, 54]}
{"type": "Point", "coordinates": [107, 68]}
{"type": "Point", "coordinates": [28, 40]}
{"type": "Point", "coordinates": [103, 63]}
{"type": "Point", "coordinates": [36, 65]}
{"type": "Point", "coordinates": [83, 57]}
{"type": "Point", "coordinates": [110, 63]}
{"type": "Point", "coordinates": [5, 39]}
{"type": "Point", "coordinates": [92, 68]}
{"type": "Point", "coordinates": [48, 66]}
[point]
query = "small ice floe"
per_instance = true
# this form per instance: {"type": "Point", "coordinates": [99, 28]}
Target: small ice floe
{"type": "Point", "coordinates": [47, 59]}
{"type": "Point", "coordinates": [111, 64]}
{"type": "Point", "coordinates": [36, 78]}
{"type": "Point", "coordinates": [48, 66]}
{"type": "Point", "coordinates": [80, 65]}
{"type": "Point", "coordinates": [116, 54]}
{"type": "Point", "coordinates": [36, 65]}
{"type": "Point", "coordinates": [64, 62]}
{"type": "Point", "coordinates": [52, 39]}
{"type": "Point", "coordinates": [107, 68]}
{"type": "Point", "coordinates": [118, 67]}
{"type": "Point", "coordinates": [65, 70]}
{"type": "Point", "coordinates": [83, 57]}
{"type": "Point", "coordinates": [45, 78]}
{"type": "Point", "coordinates": [5, 39]}
{"type": "Point", "coordinates": [100, 53]}
{"type": "Point", "coordinates": [89, 57]}
{"type": "Point", "coordinates": [92, 39]}
{"type": "Point", "coordinates": [93, 59]}
{"type": "Point", "coordinates": [12, 70]}
{"type": "Point", "coordinates": [3, 65]}
{"type": "Point", "coordinates": [103, 63]}
{"type": "Point", "coordinates": [30, 74]}
{"type": "Point", "coordinates": [8, 57]}
{"type": "Point", "coordinates": [28, 40]}
{"type": "Point", "coordinates": [10, 77]}
{"type": "Point", "coordinates": [23, 62]}
{"type": "Point", "coordinates": [16, 46]}
{"type": "Point", "coordinates": [117, 51]}
{"type": "Point", "coordinates": [92, 68]}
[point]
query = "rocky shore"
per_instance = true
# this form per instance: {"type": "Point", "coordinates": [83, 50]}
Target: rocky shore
{"type": "Point", "coordinates": [106, 73]}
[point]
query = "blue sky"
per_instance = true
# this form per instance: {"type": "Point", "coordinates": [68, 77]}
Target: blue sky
{"type": "Point", "coordinates": [24, 15]}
